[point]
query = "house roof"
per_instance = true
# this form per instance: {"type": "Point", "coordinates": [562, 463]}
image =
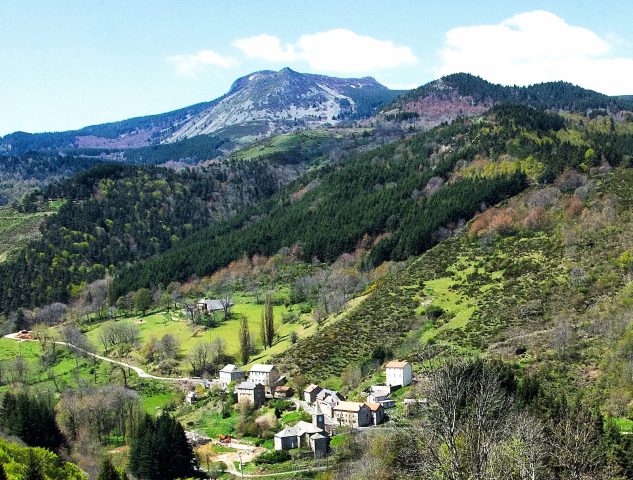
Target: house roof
{"type": "Point", "coordinates": [283, 388]}
{"type": "Point", "coordinates": [396, 364]}
{"type": "Point", "coordinates": [261, 367]}
{"type": "Point", "coordinates": [304, 427]}
{"type": "Point", "coordinates": [212, 304]}
{"type": "Point", "coordinates": [230, 368]}
{"type": "Point", "coordinates": [324, 393]}
{"type": "Point", "coordinates": [318, 436]}
{"type": "Point", "coordinates": [286, 432]}
{"type": "Point", "coordinates": [374, 406]}
{"type": "Point", "coordinates": [247, 386]}
{"type": "Point", "coordinates": [310, 388]}
{"type": "Point", "coordinates": [317, 409]}
{"type": "Point", "coordinates": [349, 406]}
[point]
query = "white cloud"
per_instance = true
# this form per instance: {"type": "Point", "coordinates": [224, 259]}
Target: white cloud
{"type": "Point", "coordinates": [189, 65]}
{"type": "Point", "coordinates": [338, 50]}
{"type": "Point", "coordinates": [535, 47]}
{"type": "Point", "coordinates": [266, 47]}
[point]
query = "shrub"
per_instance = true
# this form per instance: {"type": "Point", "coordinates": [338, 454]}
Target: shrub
{"type": "Point", "coordinates": [274, 456]}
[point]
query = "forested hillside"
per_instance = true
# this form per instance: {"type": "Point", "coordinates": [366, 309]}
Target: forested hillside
{"type": "Point", "coordinates": [115, 214]}
{"type": "Point", "coordinates": [20, 175]}
{"type": "Point", "coordinates": [406, 194]}
{"type": "Point", "coordinates": [548, 95]}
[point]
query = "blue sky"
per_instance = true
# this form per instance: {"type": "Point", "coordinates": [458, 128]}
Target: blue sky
{"type": "Point", "coordinates": [67, 64]}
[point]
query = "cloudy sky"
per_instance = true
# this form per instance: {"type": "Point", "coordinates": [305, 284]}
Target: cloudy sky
{"type": "Point", "coordinates": [71, 63]}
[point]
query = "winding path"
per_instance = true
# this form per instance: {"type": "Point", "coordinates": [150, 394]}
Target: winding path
{"type": "Point", "coordinates": [139, 371]}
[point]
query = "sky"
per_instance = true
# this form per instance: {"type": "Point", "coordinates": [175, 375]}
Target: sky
{"type": "Point", "coordinates": [65, 64]}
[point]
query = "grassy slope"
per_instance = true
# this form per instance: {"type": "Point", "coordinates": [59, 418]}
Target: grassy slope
{"type": "Point", "coordinates": [17, 228]}
{"type": "Point", "coordinates": [497, 296]}
{"type": "Point", "coordinates": [158, 324]}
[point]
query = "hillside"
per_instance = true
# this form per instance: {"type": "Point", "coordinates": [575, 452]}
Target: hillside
{"type": "Point", "coordinates": [462, 94]}
{"type": "Point", "coordinates": [405, 194]}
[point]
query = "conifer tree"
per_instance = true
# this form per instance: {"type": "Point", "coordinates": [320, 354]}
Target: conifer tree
{"type": "Point", "coordinates": [107, 470]}
{"type": "Point", "coordinates": [270, 321]}
{"type": "Point", "coordinates": [3, 474]}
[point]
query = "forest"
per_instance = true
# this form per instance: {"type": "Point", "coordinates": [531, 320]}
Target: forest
{"type": "Point", "coordinates": [403, 192]}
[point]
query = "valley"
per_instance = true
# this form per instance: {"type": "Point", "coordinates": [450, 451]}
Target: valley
{"type": "Point", "coordinates": [326, 231]}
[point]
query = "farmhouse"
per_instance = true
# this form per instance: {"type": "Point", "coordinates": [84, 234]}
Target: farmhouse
{"type": "Point", "coordinates": [310, 393]}
{"type": "Point", "coordinates": [252, 393]}
{"type": "Point", "coordinates": [399, 374]}
{"type": "Point", "coordinates": [230, 373]}
{"type": "Point", "coordinates": [209, 305]}
{"type": "Point", "coordinates": [265, 374]}
{"type": "Point", "coordinates": [283, 392]}
{"type": "Point", "coordinates": [377, 412]}
{"type": "Point", "coordinates": [327, 400]}
{"type": "Point", "coordinates": [353, 414]}
{"type": "Point", "coordinates": [305, 434]}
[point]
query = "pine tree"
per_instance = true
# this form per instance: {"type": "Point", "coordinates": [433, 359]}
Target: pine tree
{"type": "Point", "coordinates": [245, 340]}
{"type": "Point", "coordinates": [107, 471]}
{"type": "Point", "coordinates": [3, 474]}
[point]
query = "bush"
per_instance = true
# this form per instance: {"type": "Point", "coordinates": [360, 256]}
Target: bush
{"type": "Point", "coordinates": [275, 456]}
{"type": "Point", "coordinates": [433, 312]}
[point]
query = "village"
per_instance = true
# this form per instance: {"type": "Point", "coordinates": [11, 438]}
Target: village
{"type": "Point", "coordinates": [330, 411]}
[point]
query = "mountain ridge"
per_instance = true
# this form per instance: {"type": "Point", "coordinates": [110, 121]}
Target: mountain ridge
{"type": "Point", "coordinates": [284, 101]}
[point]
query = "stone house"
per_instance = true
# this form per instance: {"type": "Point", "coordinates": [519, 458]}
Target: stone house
{"type": "Point", "coordinates": [399, 374]}
{"type": "Point", "coordinates": [253, 393]}
{"type": "Point", "coordinates": [304, 434]}
{"type": "Point", "coordinates": [353, 414]}
{"type": "Point", "coordinates": [310, 393]}
{"type": "Point", "coordinates": [210, 305]}
{"type": "Point", "coordinates": [230, 373]}
{"type": "Point", "coordinates": [283, 392]}
{"type": "Point", "coordinates": [377, 412]}
{"type": "Point", "coordinates": [267, 375]}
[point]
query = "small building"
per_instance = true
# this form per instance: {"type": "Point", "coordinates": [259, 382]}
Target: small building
{"type": "Point", "coordinates": [303, 434]}
{"type": "Point", "coordinates": [230, 373]}
{"type": "Point", "coordinates": [265, 374]}
{"type": "Point", "coordinates": [310, 393]}
{"type": "Point", "coordinates": [389, 403]}
{"type": "Point", "coordinates": [353, 414]}
{"type": "Point", "coordinates": [399, 374]}
{"type": "Point", "coordinates": [286, 439]}
{"type": "Point", "coordinates": [210, 305]}
{"type": "Point", "coordinates": [253, 393]}
{"type": "Point", "coordinates": [377, 412]}
{"type": "Point", "coordinates": [283, 392]}
{"type": "Point", "coordinates": [319, 443]}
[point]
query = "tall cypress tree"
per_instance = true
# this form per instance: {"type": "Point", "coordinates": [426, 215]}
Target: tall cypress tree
{"type": "Point", "coordinates": [270, 321]}
{"type": "Point", "coordinates": [245, 340]}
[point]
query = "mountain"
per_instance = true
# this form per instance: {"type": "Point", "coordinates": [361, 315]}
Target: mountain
{"type": "Point", "coordinates": [132, 133]}
{"type": "Point", "coordinates": [462, 94]}
{"type": "Point", "coordinates": [267, 102]}
{"type": "Point", "coordinates": [257, 105]}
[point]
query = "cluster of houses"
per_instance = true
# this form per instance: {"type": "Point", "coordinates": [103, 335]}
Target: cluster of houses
{"type": "Point", "coordinates": [329, 408]}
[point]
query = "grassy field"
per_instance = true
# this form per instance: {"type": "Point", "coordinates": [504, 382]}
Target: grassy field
{"type": "Point", "coordinates": [70, 372]}
{"type": "Point", "coordinates": [159, 323]}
